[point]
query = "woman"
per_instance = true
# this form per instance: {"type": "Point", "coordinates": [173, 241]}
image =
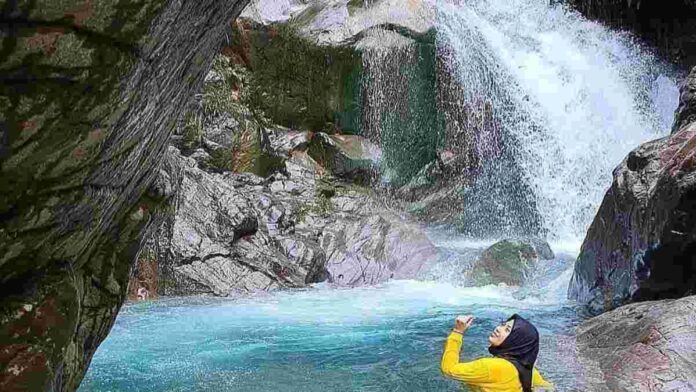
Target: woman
{"type": "Point", "coordinates": [514, 346]}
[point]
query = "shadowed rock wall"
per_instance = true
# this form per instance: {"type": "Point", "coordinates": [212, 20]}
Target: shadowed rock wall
{"type": "Point", "coordinates": [642, 243]}
{"type": "Point", "coordinates": [667, 25]}
{"type": "Point", "coordinates": [90, 93]}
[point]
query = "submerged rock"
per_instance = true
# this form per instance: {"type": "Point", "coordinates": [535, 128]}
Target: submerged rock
{"type": "Point", "coordinates": [91, 92]}
{"type": "Point", "coordinates": [642, 243]}
{"type": "Point", "coordinates": [648, 346]}
{"type": "Point", "coordinates": [509, 262]}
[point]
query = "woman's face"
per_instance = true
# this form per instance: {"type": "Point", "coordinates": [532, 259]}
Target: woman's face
{"type": "Point", "coordinates": [500, 333]}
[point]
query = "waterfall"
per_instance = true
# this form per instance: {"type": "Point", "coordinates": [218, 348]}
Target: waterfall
{"type": "Point", "coordinates": [569, 99]}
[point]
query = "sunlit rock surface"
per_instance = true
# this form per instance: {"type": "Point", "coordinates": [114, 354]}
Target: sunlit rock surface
{"type": "Point", "coordinates": [647, 346]}
{"type": "Point", "coordinates": [90, 93]}
{"type": "Point", "coordinates": [642, 243]}
{"type": "Point", "coordinates": [237, 232]}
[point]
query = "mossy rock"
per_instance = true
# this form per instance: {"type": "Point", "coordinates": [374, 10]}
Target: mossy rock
{"type": "Point", "coordinates": [347, 156]}
{"type": "Point", "coordinates": [296, 82]}
{"type": "Point", "coordinates": [251, 152]}
{"type": "Point", "coordinates": [509, 262]}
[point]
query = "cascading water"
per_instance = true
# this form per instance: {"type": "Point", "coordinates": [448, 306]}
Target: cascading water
{"type": "Point", "coordinates": [569, 97]}
{"type": "Point", "coordinates": [551, 103]}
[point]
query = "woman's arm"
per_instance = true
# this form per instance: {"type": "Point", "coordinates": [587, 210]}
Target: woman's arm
{"type": "Point", "coordinates": [539, 382]}
{"type": "Point", "coordinates": [474, 372]}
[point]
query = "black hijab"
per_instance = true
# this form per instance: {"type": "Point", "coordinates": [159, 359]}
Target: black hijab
{"type": "Point", "coordinates": [521, 348]}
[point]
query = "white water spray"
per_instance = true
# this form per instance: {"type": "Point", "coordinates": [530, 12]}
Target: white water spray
{"type": "Point", "coordinates": [575, 97]}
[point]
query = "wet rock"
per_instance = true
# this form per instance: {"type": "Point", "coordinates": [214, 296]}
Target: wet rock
{"type": "Point", "coordinates": [374, 246]}
{"type": "Point", "coordinates": [641, 245]}
{"type": "Point", "coordinates": [686, 112]}
{"type": "Point", "coordinates": [647, 346]}
{"type": "Point", "coordinates": [667, 26]}
{"type": "Point", "coordinates": [90, 93]}
{"type": "Point", "coordinates": [224, 238]}
{"type": "Point", "coordinates": [346, 156]}
{"type": "Point", "coordinates": [509, 262]}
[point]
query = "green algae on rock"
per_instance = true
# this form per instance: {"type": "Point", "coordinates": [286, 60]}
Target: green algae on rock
{"type": "Point", "coordinates": [508, 261]}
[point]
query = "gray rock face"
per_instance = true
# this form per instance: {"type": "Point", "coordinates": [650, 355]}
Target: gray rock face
{"type": "Point", "coordinates": [90, 93]}
{"type": "Point", "coordinates": [667, 26]}
{"type": "Point", "coordinates": [642, 243]}
{"type": "Point", "coordinates": [648, 346]}
{"type": "Point", "coordinates": [686, 112]}
{"type": "Point", "coordinates": [232, 232]}
{"type": "Point", "coordinates": [227, 235]}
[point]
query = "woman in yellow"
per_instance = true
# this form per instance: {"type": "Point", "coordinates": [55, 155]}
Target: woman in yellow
{"type": "Point", "coordinates": [514, 346]}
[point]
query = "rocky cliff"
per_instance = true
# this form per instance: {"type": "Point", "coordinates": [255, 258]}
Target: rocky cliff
{"type": "Point", "coordinates": [668, 26]}
{"type": "Point", "coordinates": [90, 94]}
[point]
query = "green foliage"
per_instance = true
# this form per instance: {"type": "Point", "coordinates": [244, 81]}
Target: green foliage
{"type": "Point", "coordinates": [192, 131]}
{"type": "Point", "coordinates": [354, 5]}
{"type": "Point", "coordinates": [221, 159]}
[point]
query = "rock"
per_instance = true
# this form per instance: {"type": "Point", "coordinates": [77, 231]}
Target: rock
{"type": "Point", "coordinates": [346, 156]}
{"type": "Point", "coordinates": [509, 262]}
{"type": "Point", "coordinates": [91, 93]}
{"type": "Point", "coordinates": [237, 232]}
{"type": "Point", "coordinates": [641, 243]}
{"type": "Point", "coordinates": [220, 128]}
{"type": "Point", "coordinates": [686, 112]}
{"type": "Point", "coordinates": [667, 27]}
{"type": "Point", "coordinates": [647, 346]}
{"type": "Point", "coordinates": [335, 22]}
{"type": "Point", "coordinates": [224, 239]}
{"type": "Point", "coordinates": [374, 248]}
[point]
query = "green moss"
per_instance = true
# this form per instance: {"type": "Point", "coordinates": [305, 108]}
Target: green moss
{"type": "Point", "coordinates": [221, 159]}
{"type": "Point", "coordinates": [354, 5]}
{"type": "Point", "coordinates": [299, 84]}
{"type": "Point", "coordinates": [192, 132]}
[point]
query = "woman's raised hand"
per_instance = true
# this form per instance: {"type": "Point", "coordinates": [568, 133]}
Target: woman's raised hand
{"type": "Point", "coordinates": [462, 323]}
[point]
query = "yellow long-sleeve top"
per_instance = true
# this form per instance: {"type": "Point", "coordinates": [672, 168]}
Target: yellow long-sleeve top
{"type": "Point", "coordinates": [485, 374]}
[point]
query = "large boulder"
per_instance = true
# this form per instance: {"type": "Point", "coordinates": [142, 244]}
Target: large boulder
{"type": "Point", "coordinates": [667, 26]}
{"type": "Point", "coordinates": [228, 234]}
{"type": "Point", "coordinates": [648, 346]}
{"type": "Point", "coordinates": [509, 262]}
{"type": "Point", "coordinates": [642, 243]}
{"type": "Point", "coordinates": [91, 92]}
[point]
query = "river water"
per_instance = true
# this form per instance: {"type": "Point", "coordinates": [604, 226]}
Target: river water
{"type": "Point", "coordinates": [383, 338]}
